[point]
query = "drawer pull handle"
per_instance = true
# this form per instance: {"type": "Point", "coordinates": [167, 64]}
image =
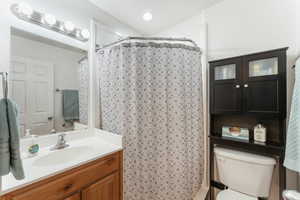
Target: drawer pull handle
{"type": "Point", "coordinates": [67, 187]}
{"type": "Point", "coordinates": [237, 86]}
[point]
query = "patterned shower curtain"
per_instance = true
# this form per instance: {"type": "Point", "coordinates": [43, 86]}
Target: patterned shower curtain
{"type": "Point", "coordinates": [83, 72]}
{"type": "Point", "coordinates": [151, 94]}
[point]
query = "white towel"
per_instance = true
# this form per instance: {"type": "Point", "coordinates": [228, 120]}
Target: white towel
{"type": "Point", "coordinates": [292, 151]}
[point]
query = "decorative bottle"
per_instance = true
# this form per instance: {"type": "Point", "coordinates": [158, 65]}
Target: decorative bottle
{"type": "Point", "coordinates": [260, 133]}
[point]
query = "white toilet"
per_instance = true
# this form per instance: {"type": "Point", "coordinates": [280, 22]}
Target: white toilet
{"type": "Point", "coordinates": [247, 176]}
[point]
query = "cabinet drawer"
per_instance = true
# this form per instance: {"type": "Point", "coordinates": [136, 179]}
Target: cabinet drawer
{"type": "Point", "coordinates": [72, 181]}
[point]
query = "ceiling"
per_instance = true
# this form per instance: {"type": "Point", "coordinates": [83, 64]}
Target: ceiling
{"type": "Point", "coordinates": [165, 12]}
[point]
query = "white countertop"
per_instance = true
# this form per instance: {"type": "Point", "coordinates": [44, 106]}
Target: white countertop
{"type": "Point", "coordinates": [88, 147]}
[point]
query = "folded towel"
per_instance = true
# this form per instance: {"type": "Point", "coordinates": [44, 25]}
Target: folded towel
{"type": "Point", "coordinates": [10, 159]}
{"type": "Point", "coordinates": [70, 105]}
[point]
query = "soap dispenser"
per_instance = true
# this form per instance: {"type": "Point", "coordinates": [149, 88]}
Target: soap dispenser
{"type": "Point", "coordinates": [33, 147]}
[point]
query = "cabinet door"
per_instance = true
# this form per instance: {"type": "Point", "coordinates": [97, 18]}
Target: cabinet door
{"type": "Point", "coordinates": [105, 189]}
{"type": "Point", "coordinates": [225, 80]}
{"type": "Point", "coordinates": [74, 197]}
{"type": "Point", "coordinates": [264, 83]}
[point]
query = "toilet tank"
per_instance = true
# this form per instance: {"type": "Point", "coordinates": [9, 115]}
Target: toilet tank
{"type": "Point", "coordinates": [244, 172]}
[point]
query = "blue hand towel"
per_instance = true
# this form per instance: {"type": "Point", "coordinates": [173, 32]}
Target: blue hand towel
{"type": "Point", "coordinates": [70, 105]}
{"type": "Point", "coordinates": [10, 159]}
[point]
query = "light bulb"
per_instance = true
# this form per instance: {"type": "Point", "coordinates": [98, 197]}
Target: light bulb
{"type": "Point", "coordinates": [49, 19]}
{"type": "Point", "coordinates": [147, 16]}
{"type": "Point", "coordinates": [78, 33]}
{"type": "Point", "coordinates": [69, 26]}
{"type": "Point", "coordinates": [25, 9]}
{"type": "Point", "coordinates": [85, 33]}
{"type": "Point", "coordinates": [118, 33]}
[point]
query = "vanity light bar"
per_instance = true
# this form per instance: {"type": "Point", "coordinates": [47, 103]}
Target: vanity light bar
{"type": "Point", "coordinates": [48, 21]}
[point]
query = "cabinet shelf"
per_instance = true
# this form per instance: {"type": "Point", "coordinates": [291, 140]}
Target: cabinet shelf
{"type": "Point", "coordinates": [268, 148]}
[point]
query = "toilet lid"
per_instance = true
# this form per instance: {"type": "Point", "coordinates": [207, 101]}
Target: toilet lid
{"type": "Point", "coordinates": [232, 195]}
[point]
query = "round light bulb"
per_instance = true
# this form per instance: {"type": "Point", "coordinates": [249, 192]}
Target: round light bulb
{"type": "Point", "coordinates": [147, 16]}
{"type": "Point", "coordinates": [78, 33]}
{"type": "Point", "coordinates": [25, 9]}
{"type": "Point", "coordinates": [69, 26]}
{"type": "Point", "coordinates": [118, 34]}
{"type": "Point", "coordinates": [49, 19]}
{"type": "Point", "coordinates": [85, 33]}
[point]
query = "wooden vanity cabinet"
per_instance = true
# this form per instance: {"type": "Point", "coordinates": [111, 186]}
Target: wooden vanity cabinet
{"type": "Point", "coordinates": [105, 189]}
{"type": "Point", "coordinates": [98, 180]}
{"type": "Point", "coordinates": [76, 196]}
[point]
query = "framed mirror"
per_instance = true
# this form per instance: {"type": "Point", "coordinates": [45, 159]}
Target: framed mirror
{"type": "Point", "coordinates": [49, 83]}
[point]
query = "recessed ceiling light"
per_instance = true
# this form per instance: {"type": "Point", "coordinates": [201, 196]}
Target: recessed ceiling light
{"type": "Point", "coordinates": [147, 16]}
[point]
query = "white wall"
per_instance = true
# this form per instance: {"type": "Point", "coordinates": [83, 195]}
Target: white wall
{"type": "Point", "coordinates": [4, 40]}
{"type": "Point", "coordinates": [65, 63]}
{"type": "Point", "coordinates": [238, 27]}
{"type": "Point", "coordinates": [298, 28]}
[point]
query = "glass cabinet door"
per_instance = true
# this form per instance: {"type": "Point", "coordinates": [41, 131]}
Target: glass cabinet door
{"type": "Point", "coordinates": [226, 89]}
{"type": "Point", "coordinates": [263, 67]}
{"type": "Point", "coordinates": [225, 72]}
{"type": "Point", "coordinates": [261, 82]}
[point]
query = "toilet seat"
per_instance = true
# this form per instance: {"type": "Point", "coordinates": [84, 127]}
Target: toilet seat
{"type": "Point", "coordinates": [233, 195]}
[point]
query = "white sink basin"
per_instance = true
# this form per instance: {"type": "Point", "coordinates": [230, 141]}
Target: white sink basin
{"type": "Point", "coordinates": [63, 156]}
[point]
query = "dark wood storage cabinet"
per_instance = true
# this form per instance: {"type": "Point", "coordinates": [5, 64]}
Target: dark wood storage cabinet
{"type": "Point", "coordinates": [226, 91]}
{"type": "Point", "coordinates": [245, 91]}
{"type": "Point", "coordinates": [251, 84]}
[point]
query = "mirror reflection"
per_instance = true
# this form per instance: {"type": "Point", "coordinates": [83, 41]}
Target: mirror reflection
{"type": "Point", "coordinates": [49, 83]}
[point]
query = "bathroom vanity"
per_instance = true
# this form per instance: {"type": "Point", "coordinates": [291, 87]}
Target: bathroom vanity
{"type": "Point", "coordinates": [49, 78]}
{"type": "Point", "coordinates": [91, 168]}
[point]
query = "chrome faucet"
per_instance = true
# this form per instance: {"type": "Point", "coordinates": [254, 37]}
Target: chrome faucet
{"type": "Point", "coordinates": [61, 142]}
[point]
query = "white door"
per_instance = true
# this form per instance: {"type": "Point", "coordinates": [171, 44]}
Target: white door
{"type": "Point", "coordinates": [32, 89]}
{"type": "Point", "coordinates": [18, 89]}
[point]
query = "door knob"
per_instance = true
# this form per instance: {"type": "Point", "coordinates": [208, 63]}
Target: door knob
{"type": "Point", "coordinates": [246, 85]}
{"type": "Point", "coordinates": [237, 86]}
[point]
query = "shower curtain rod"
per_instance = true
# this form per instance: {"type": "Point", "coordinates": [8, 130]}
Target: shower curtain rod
{"type": "Point", "coordinates": [149, 38]}
{"type": "Point", "coordinates": [143, 38]}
